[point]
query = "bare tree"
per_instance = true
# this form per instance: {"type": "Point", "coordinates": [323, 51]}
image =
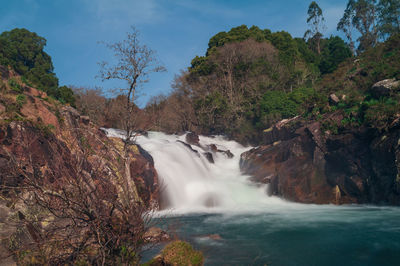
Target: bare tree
{"type": "Point", "coordinates": [135, 61]}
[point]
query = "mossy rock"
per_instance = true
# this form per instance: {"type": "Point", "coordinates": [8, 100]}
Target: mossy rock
{"type": "Point", "coordinates": [178, 253]}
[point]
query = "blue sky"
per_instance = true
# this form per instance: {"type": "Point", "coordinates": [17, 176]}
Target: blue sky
{"type": "Point", "coordinates": [177, 29]}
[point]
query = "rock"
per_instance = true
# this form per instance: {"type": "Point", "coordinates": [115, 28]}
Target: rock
{"type": "Point", "coordinates": [155, 234]}
{"type": "Point", "coordinates": [84, 119]}
{"type": "Point", "coordinates": [215, 237]}
{"type": "Point", "coordinates": [384, 88]}
{"type": "Point", "coordinates": [209, 157]}
{"type": "Point", "coordinates": [358, 165]}
{"type": "Point", "coordinates": [192, 139]}
{"type": "Point", "coordinates": [283, 130]}
{"type": "Point", "coordinates": [189, 147]}
{"type": "Point", "coordinates": [333, 99]}
{"type": "Point", "coordinates": [2, 108]}
{"type": "Point", "coordinates": [228, 153]}
{"type": "Point", "coordinates": [213, 147]}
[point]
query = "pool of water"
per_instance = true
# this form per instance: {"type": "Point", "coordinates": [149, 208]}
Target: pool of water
{"type": "Point", "coordinates": [295, 235]}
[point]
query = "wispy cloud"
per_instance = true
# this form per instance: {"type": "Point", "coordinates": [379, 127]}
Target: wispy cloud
{"type": "Point", "coordinates": [209, 8]}
{"type": "Point", "coordinates": [114, 13]}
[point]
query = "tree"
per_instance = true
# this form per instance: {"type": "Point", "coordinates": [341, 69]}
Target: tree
{"type": "Point", "coordinates": [316, 22]}
{"type": "Point", "coordinates": [334, 52]}
{"type": "Point", "coordinates": [388, 17]}
{"type": "Point", "coordinates": [23, 51]}
{"type": "Point", "coordinates": [345, 24]}
{"type": "Point", "coordinates": [362, 15]}
{"type": "Point", "coordinates": [135, 61]}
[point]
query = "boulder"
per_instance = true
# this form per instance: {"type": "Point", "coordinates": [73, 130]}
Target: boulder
{"type": "Point", "coordinates": [213, 147]}
{"type": "Point", "coordinates": [209, 157]}
{"type": "Point", "coordinates": [189, 147]}
{"type": "Point", "coordinates": [333, 99]}
{"type": "Point", "coordinates": [155, 234]}
{"type": "Point", "coordinates": [192, 139]}
{"type": "Point", "coordinates": [215, 237]}
{"type": "Point", "coordinates": [228, 153]}
{"type": "Point", "coordinates": [384, 88]}
{"type": "Point", "coordinates": [358, 165]}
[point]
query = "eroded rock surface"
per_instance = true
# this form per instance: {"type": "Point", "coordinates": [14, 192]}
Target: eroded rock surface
{"type": "Point", "coordinates": [304, 163]}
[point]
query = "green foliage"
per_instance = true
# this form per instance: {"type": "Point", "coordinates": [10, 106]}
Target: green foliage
{"type": "Point", "coordinates": [379, 114]}
{"type": "Point", "coordinates": [236, 34]}
{"type": "Point", "coordinates": [47, 130]}
{"type": "Point", "coordinates": [65, 95]}
{"type": "Point", "coordinates": [278, 102]}
{"type": "Point", "coordinates": [277, 105]}
{"type": "Point", "coordinates": [24, 52]}
{"type": "Point", "coordinates": [21, 100]}
{"type": "Point", "coordinates": [14, 85]}
{"type": "Point", "coordinates": [181, 253]}
{"type": "Point", "coordinates": [388, 18]}
{"type": "Point", "coordinates": [335, 51]}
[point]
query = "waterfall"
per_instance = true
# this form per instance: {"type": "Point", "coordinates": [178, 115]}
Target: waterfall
{"type": "Point", "coordinates": [190, 183]}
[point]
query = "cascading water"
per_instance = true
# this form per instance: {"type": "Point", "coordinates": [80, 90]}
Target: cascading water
{"type": "Point", "coordinates": [254, 229]}
{"type": "Point", "coordinates": [190, 183]}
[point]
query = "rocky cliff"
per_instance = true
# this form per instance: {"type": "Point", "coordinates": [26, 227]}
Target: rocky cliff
{"type": "Point", "coordinates": [51, 143]}
{"type": "Point", "coordinates": [304, 161]}
{"type": "Point", "coordinates": [40, 134]}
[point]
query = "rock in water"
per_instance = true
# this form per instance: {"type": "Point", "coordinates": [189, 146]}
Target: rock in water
{"type": "Point", "coordinates": [192, 139]}
{"type": "Point", "coordinates": [155, 234]}
{"type": "Point", "coordinates": [209, 157]}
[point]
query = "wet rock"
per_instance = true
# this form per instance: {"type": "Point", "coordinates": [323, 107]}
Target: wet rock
{"type": "Point", "coordinates": [155, 235]}
{"type": "Point", "coordinates": [192, 139]}
{"type": "Point", "coordinates": [228, 153]}
{"type": "Point", "coordinates": [188, 146]}
{"type": "Point", "coordinates": [209, 157]}
{"type": "Point", "coordinates": [215, 237]}
{"type": "Point", "coordinates": [213, 147]}
{"type": "Point", "coordinates": [384, 88]}
{"type": "Point", "coordinates": [358, 165]}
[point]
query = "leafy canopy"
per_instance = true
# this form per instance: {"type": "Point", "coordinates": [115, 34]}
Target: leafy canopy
{"type": "Point", "coordinates": [23, 51]}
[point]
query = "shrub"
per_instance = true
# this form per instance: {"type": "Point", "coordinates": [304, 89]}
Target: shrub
{"type": "Point", "coordinates": [21, 100]}
{"type": "Point", "coordinates": [14, 85]}
{"type": "Point", "coordinates": [181, 253]}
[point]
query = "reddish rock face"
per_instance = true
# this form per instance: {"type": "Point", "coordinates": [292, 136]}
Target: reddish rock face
{"type": "Point", "coordinates": [303, 164]}
{"type": "Point", "coordinates": [53, 147]}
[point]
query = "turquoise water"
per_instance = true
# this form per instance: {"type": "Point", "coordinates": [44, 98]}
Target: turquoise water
{"type": "Point", "coordinates": [298, 235]}
{"type": "Point", "coordinates": [206, 199]}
